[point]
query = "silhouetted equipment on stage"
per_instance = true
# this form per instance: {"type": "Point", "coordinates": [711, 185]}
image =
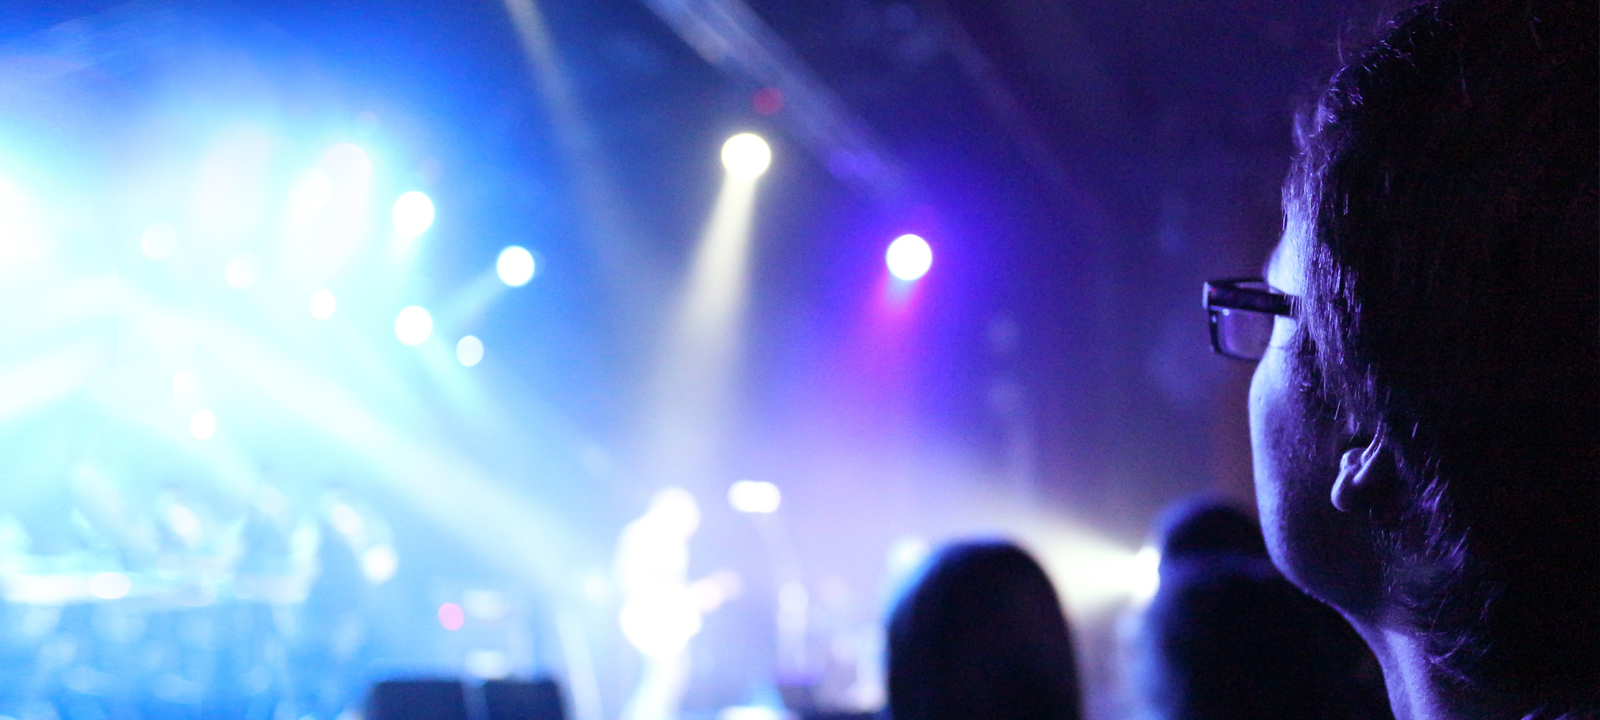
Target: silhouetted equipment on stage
{"type": "Point", "coordinates": [523, 700]}
{"type": "Point", "coordinates": [417, 700]}
{"type": "Point", "coordinates": [451, 700]}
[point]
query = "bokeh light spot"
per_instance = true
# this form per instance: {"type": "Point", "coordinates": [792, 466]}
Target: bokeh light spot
{"type": "Point", "coordinates": [379, 563]}
{"type": "Point", "coordinates": [515, 266]}
{"type": "Point", "coordinates": [413, 325]}
{"type": "Point", "coordinates": [323, 304]}
{"type": "Point", "coordinates": [110, 585]}
{"type": "Point", "coordinates": [746, 155]}
{"type": "Point", "coordinates": [159, 241]}
{"type": "Point", "coordinates": [753, 496]}
{"type": "Point", "coordinates": [767, 101]}
{"type": "Point", "coordinates": [451, 616]}
{"type": "Point", "coordinates": [202, 424]}
{"type": "Point", "coordinates": [413, 214]}
{"type": "Point", "coordinates": [469, 351]}
{"type": "Point", "coordinates": [909, 257]}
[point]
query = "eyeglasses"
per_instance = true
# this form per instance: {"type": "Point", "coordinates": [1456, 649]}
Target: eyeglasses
{"type": "Point", "coordinates": [1242, 313]}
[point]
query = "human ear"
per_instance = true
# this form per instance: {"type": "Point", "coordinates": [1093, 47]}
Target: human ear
{"type": "Point", "coordinates": [1362, 477]}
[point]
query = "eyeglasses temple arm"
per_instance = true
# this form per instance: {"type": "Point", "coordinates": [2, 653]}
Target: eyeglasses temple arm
{"type": "Point", "coordinates": [1223, 294]}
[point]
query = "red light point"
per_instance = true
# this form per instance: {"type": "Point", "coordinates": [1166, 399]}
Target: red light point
{"type": "Point", "coordinates": [767, 101]}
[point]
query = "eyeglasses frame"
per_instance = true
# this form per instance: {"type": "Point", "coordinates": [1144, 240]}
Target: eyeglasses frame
{"type": "Point", "coordinates": [1227, 295]}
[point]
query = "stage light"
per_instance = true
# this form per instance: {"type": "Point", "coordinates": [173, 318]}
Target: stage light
{"type": "Point", "coordinates": [746, 155]}
{"type": "Point", "coordinates": [451, 616]}
{"type": "Point", "coordinates": [202, 424]}
{"type": "Point", "coordinates": [515, 266]}
{"type": "Point", "coordinates": [751, 496]}
{"type": "Point", "coordinates": [379, 564]}
{"type": "Point", "coordinates": [323, 304]}
{"type": "Point", "coordinates": [1144, 574]}
{"type": "Point", "coordinates": [413, 214]}
{"type": "Point", "coordinates": [110, 585]}
{"type": "Point", "coordinates": [469, 351]}
{"type": "Point", "coordinates": [909, 257]}
{"type": "Point", "coordinates": [906, 554]}
{"type": "Point", "coordinates": [159, 240]}
{"type": "Point", "coordinates": [242, 270]}
{"type": "Point", "coordinates": [184, 384]}
{"type": "Point", "coordinates": [413, 325]}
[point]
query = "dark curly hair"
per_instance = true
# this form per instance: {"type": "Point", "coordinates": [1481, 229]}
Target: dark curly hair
{"type": "Point", "coordinates": [1445, 199]}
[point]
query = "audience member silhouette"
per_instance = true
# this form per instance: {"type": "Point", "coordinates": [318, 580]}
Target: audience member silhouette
{"type": "Point", "coordinates": [1226, 637]}
{"type": "Point", "coordinates": [1426, 417]}
{"type": "Point", "coordinates": [980, 634]}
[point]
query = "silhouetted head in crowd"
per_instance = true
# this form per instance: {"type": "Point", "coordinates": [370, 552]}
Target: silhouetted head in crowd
{"type": "Point", "coordinates": [1227, 638]}
{"type": "Point", "coordinates": [980, 634]}
{"type": "Point", "coordinates": [1203, 525]}
{"type": "Point", "coordinates": [1427, 429]}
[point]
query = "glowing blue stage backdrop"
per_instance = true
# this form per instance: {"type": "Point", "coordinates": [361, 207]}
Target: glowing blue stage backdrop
{"type": "Point", "coordinates": [255, 365]}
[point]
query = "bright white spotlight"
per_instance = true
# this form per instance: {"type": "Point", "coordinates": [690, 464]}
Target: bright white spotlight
{"type": "Point", "coordinates": [242, 270]}
{"type": "Point", "coordinates": [1144, 574]}
{"type": "Point", "coordinates": [379, 564]}
{"type": "Point", "coordinates": [323, 304]}
{"type": "Point", "coordinates": [906, 554]}
{"type": "Point", "coordinates": [746, 155]}
{"type": "Point", "coordinates": [469, 351]}
{"type": "Point", "coordinates": [159, 240]}
{"type": "Point", "coordinates": [752, 496]}
{"type": "Point", "coordinates": [202, 424]}
{"type": "Point", "coordinates": [110, 585]}
{"type": "Point", "coordinates": [413, 325]}
{"type": "Point", "coordinates": [413, 214]}
{"type": "Point", "coordinates": [909, 257]}
{"type": "Point", "coordinates": [515, 266]}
